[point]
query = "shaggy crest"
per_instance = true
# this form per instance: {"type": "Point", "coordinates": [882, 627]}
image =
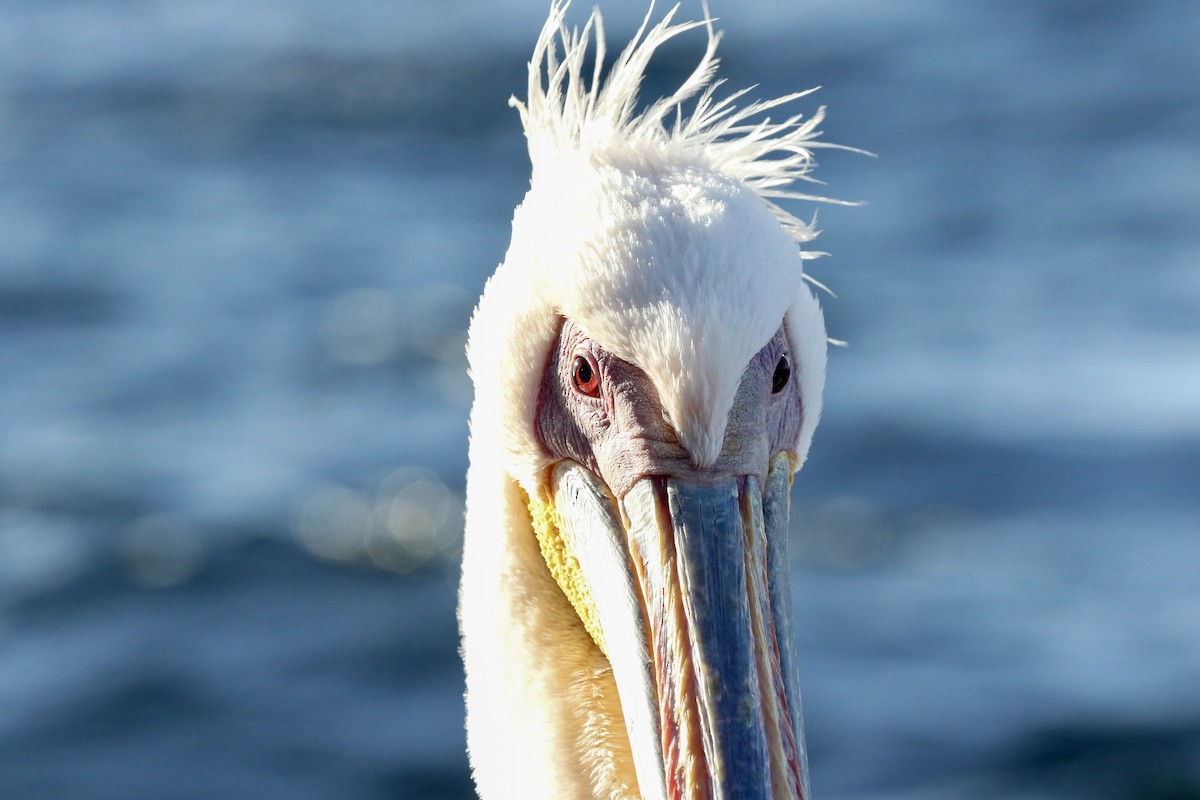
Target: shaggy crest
{"type": "Point", "coordinates": [566, 111]}
{"type": "Point", "coordinates": [642, 227]}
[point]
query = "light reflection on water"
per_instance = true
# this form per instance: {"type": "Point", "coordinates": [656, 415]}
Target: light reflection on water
{"type": "Point", "coordinates": [408, 519]}
{"type": "Point", "coordinates": [239, 246]}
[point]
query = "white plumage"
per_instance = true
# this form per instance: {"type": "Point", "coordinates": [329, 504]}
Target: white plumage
{"type": "Point", "coordinates": [657, 233]}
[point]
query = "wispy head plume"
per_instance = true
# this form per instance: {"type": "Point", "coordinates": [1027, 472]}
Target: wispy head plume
{"type": "Point", "coordinates": [566, 109]}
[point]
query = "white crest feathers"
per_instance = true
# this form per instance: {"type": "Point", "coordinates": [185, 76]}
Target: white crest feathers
{"type": "Point", "coordinates": [657, 231]}
{"type": "Point", "coordinates": [565, 110]}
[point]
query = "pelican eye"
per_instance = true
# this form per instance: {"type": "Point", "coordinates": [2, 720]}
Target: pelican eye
{"type": "Point", "coordinates": [783, 374]}
{"type": "Point", "coordinates": [584, 377]}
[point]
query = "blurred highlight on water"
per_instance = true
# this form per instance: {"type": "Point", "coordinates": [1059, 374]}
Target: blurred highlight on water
{"type": "Point", "coordinates": [239, 247]}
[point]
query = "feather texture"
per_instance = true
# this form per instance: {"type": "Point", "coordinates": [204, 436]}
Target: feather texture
{"type": "Point", "coordinates": [658, 233]}
{"type": "Point", "coordinates": [563, 109]}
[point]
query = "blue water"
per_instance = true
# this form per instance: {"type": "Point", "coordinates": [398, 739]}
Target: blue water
{"type": "Point", "coordinates": [239, 245]}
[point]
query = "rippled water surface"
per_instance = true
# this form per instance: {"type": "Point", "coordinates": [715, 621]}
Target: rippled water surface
{"type": "Point", "coordinates": [239, 246]}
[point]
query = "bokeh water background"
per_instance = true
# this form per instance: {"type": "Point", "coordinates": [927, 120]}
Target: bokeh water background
{"type": "Point", "coordinates": [239, 245]}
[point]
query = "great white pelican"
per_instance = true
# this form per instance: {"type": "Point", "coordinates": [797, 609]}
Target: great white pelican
{"type": "Point", "coordinates": [648, 364]}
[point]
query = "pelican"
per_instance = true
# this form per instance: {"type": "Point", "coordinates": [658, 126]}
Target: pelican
{"type": "Point", "coordinates": [648, 364]}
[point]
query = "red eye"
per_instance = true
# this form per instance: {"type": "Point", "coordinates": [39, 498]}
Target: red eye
{"type": "Point", "coordinates": [584, 377]}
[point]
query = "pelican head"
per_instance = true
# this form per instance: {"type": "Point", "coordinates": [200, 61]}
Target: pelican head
{"type": "Point", "coordinates": [648, 364]}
